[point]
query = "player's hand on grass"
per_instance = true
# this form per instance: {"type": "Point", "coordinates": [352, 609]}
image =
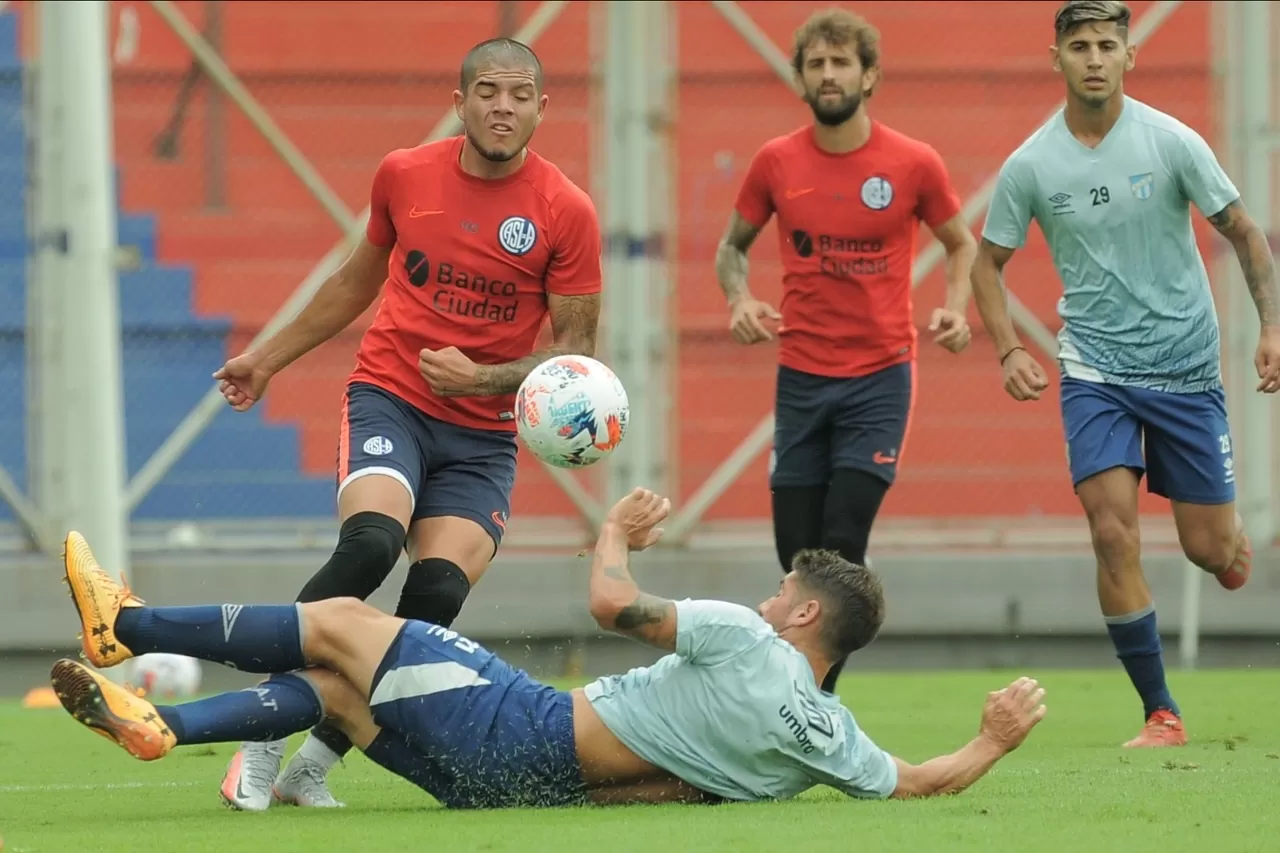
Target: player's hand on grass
{"type": "Point", "coordinates": [243, 380]}
{"type": "Point", "coordinates": [1011, 713]}
{"type": "Point", "coordinates": [448, 372]}
{"type": "Point", "coordinates": [1024, 378]}
{"type": "Point", "coordinates": [952, 329]}
{"type": "Point", "coordinates": [747, 321]}
{"type": "Point", "coordinates": [1267, 360]}
{"type": "Point", "coordinates": [638, 516]}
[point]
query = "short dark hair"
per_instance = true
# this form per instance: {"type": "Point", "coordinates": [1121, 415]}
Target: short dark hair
{"type": "Point", "coordinates": [1076, 13]}
{"type": "Point", "coordinates": [841, 28]}
{"type": "Point", "coordinates": [851, 596]}
{"type": "Point", "coordinates": [502, 52]}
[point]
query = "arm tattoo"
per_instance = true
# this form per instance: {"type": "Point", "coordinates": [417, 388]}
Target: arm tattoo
{"type": "Point", "coordinates": [574, 320]}
{"type": "Point", "coordinates": [649, 618]}
{"type": "Point", "coordinates": [645, 610]}
{"type": "Point", "coordinates": [1256, 262]}
{"type": "Point", "coordinates": [731, 257]}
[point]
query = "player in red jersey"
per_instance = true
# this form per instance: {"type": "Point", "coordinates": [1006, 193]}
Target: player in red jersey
{"type": "Point", "coordinates": [849, 194]}
{"type": "Point", "coordinates": [479, 240]}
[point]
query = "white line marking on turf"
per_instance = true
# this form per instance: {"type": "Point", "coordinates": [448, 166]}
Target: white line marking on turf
{"type": "Point", "coordinates": [107, 786]}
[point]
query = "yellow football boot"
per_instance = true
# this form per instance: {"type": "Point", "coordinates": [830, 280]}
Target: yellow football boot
{"type": "Point", "coordinates": [112, 711]}
{"type": "Point", "coordinates": [99, 600]}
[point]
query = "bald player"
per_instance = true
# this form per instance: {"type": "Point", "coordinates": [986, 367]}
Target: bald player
{"type": "Point", "coordinates": [478, 241]}
{"type": "Point", "coordinates": [1111, 181]}
{"type": "Point", "coordinates": [733, 711]}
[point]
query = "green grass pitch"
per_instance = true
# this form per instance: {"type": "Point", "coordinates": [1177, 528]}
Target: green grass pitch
{"type": "Point", "coordinates": [1070, 788]}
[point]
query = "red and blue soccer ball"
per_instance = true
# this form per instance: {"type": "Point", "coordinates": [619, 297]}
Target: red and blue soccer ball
{"type": "Point", "coordinates": [571, 411]}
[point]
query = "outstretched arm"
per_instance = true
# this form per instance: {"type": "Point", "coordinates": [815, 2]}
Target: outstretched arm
{"type": "Point", "coordinates": [1009, 716]}
{"type": "Point", "coordinates": [352, 288]}
{"type": "Point", "coordinates": [947, 774]}
{"type": "Point", "coordinates": [1256, 261]}
{"type": "Point", "coordinates": [343, 297]}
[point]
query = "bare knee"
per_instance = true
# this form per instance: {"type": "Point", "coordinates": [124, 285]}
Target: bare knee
{"type": "Point", "coordinates": [1209, 535]}
{"type": "Point", "coordinates": [1116, 541]}
{"type": "Point", "coordinates": [344, 705]}
{"type": "Point", "coordinates": [327, 623]}
{"type": "Point", "coordinates": [1211, 550]}
{"type": "Point", "coordinates": [461, 541]}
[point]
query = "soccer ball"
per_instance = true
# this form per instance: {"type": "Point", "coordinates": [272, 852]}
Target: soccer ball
{"type": "Point", "coordinates": [165, 675]}
{"type": "Point", "coordinates": [571, 411]}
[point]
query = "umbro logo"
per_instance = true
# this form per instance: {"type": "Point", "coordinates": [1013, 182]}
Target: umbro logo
{"type": "Point", "coordinates": [1061, 203]}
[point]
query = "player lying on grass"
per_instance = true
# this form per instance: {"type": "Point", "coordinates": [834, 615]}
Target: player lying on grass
{"type": "Point", "coordinates": [733, 713]}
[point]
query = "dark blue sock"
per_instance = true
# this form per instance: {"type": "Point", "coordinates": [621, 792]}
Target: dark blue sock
{"type": "Point", "coordinates": [251, 637]}
{"type": "Point", "coordinates": [278, 707]}
{"type": "Point", "coordinates": [1138, 647]}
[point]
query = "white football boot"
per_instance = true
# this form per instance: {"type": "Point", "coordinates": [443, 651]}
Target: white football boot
{"type": "Point", "coordinates": [304, 783]}
{"type": "Point", "coordinates": [250, 775]}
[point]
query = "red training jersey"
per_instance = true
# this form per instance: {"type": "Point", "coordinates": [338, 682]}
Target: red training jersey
{"type": "Point", "coordinates": [846, 227]}
{"type": "Point", "coordinates": [472, 264]}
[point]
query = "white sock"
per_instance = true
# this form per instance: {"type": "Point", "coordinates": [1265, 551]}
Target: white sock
{"type": "Point", "coordinates": [315, 751]}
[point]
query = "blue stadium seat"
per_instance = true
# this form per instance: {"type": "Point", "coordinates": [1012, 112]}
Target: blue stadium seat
{"type": "Point", "coordinates": [241, 467]}
{"type": "Point", "coordinates": [133, 230]}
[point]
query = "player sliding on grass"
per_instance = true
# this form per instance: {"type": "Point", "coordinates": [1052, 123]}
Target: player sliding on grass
{"type": "Point", "coordinates": [1111, 182]}
{"type": "Point", "coordinates": [734, 713]}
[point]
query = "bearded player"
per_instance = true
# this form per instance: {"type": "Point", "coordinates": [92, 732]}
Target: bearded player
{"type": "Point", "coordinates": [1112, 182]}
{"type": "Point", "coordinates": [479, 240]}
{"type": "Point", "coordinates": [848, 193]}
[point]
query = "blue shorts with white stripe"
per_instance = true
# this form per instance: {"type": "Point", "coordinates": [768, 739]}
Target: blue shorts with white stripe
{"type": "Point", "coordinates": [470, 729]}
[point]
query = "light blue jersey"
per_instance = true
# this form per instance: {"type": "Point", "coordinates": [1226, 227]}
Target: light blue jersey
{"type": "Point", "coordinates": [1136, 305]}
{"type": "Point", "coordinates": [736, 712]}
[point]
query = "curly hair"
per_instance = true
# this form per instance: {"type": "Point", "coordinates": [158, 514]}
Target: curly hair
{"type": "Point", "coordinates": [839, 28]}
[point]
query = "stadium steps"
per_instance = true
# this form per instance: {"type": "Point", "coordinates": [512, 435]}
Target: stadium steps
{"type": "Point", "coordinates": [241, 466]}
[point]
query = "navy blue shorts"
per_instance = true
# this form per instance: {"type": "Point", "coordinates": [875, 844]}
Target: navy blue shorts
{"type": "Point", "coordinates": [1182, 441]}
{"type": "Point", "coordinates": [448, 470]}
{"type": "Point", "coordinates": [823, 423]}
{"type": "Point", "coordinates": [468, 728]}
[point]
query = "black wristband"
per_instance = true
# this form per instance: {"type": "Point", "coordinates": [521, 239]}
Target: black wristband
{"type": "Point", "coordinates": [1011, 351]}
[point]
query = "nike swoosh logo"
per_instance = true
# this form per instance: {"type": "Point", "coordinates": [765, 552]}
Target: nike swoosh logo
{"type": "Point", "coordinates": [798, 193]}
{"type": "Point", "coordinates": [414, 213]}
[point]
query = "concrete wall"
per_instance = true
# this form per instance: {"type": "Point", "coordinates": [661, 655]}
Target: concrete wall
{"type": "Point", "coordinates": [538, 597]}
